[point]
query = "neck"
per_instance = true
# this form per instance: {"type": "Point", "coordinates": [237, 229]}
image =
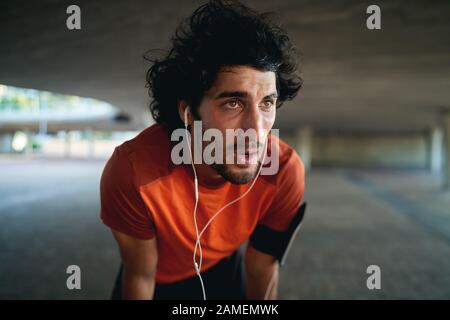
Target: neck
{"type": "Point", "coordinates": [207, 176]}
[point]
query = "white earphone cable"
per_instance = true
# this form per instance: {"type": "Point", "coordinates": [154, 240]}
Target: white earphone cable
{"type": "Point", "coordinates": [196, 265]}
{"type": "Point", "coordinates": [198, 246]}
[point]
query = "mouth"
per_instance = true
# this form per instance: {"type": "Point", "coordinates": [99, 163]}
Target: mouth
{"type": "Point", "coordinates": [247, 157]}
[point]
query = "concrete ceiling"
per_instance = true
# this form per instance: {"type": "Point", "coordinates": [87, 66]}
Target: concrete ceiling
{"type": "Point", "coordinates": [394, 79]}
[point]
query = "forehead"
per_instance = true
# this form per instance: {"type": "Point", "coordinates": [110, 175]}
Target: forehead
{"type": "Point", "coordinates": [243, 78]}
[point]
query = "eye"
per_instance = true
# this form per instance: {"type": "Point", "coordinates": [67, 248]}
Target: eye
{"type": "Point", "coordinates": [268, 104]}
{"type": "Point", "coordinates": [232, 104]}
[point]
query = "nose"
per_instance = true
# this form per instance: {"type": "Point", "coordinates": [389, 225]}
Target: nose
{"type": "Point", "coordinates": [255, 120]}
{"type": "Point", "coordinates": [252, 119]}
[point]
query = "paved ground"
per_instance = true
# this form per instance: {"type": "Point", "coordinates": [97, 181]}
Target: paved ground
{"type": "Point", "coordinates": [398, 220]}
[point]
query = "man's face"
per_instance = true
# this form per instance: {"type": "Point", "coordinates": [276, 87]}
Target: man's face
{"type": "Point", "coordinates": [241, 98]}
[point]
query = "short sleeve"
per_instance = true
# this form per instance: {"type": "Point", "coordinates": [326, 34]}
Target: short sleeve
{"type": "Point", "coordinates": [288, 195]}
{"type": "Point", "coordinates": [121, 206]}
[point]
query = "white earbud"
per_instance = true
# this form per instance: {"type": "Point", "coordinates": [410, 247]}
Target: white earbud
{"type": "Point", "coordinates": [185, 117]}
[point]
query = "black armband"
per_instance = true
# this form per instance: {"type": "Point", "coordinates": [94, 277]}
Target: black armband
{"type": "Point", "coordinates": [277, 243]}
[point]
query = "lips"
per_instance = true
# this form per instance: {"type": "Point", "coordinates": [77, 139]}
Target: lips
{"type": "Point", "coordinates": [248, 157]}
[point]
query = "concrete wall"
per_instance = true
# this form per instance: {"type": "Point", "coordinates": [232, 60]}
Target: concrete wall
{"type": "Point", "coordinates": [370, 150]}
{"type": "Point", "coordinates": [379, 150]}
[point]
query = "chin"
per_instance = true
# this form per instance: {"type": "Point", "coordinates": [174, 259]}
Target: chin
{"type": "Point", "coordinates": [238, 173]}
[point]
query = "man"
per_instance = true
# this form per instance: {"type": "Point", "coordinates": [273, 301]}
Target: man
{"type": "Point", "coordinates": [230, 68]}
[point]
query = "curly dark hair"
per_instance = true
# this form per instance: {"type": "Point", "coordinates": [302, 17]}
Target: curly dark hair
{"type": "Point", "coordinates": [219, 33]}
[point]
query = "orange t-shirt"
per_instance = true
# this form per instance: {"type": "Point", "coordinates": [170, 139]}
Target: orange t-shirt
{"type": "Point", "coordinates": [144, 194]}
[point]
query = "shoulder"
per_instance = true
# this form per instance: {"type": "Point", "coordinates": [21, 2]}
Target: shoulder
{"type": "Point", "coordinates": [147, 154]}
{"type": "Point", "coordinates": [290, 167]}
{"type": "Point", "coordinates": [290, 159]}
{"type": "Point", "coordinates": [289, 185]}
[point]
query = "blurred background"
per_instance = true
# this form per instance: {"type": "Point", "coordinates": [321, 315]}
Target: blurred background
{"type": "Point", "coordinates": [372, 125]}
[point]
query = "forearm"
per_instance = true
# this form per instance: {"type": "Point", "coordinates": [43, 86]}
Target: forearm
{"type": "Point", "coordinates": [137, 287]}
{"type": "Point", "coordinates": [263, 283]}
{"type": "Point", "coordinates": [261, 274]}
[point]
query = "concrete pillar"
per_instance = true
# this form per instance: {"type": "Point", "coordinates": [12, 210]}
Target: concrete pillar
{"type": "Point", "coordinates": [436, 150]}
{"type": "Point", "coordinates": [29, 148]}
{"type": "Point", "coordinates": [6, 142]}
{"type": "Point", "coordinates": [91, 143]}
{"type": "Point", "coordinates": [303, 145]}
{"type": "Point", "coordinates": [446, 158]}
{"type": "Point", "coordinates": [67, 144]}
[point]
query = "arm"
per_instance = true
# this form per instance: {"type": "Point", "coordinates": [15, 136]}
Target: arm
{"type": "Point", "coordinates": [139, 259]}
{"type": "Point", "coordinates": [271, 238]}
{"type": "Point", "coordinates": [261, 272]}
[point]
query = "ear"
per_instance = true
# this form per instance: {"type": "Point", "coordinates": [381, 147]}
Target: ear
{"type": "Point", "coordinates": [182, 105]}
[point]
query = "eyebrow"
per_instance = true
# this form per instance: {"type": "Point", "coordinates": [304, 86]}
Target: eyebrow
{"type": "Point", "coordinates": [241, 94]}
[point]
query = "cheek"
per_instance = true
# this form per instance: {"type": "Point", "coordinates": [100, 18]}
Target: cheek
{"type": "Point", "coordinates": [203, 112]}
{"type": "Point", "coordinates": [211, 116]}
{"type": "Point", "coordinates": [269, 119]}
